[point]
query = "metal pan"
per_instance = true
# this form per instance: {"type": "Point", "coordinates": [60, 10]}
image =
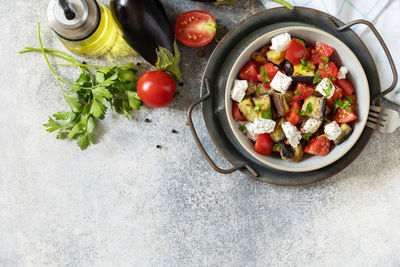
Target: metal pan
{"type": "Point", "coordinates": [220, 63]}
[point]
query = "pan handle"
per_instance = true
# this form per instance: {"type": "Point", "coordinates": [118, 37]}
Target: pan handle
{"type": "Point", "coordinates": [376, 98]}
{"type": "Point", "coordinates": [202, 150]}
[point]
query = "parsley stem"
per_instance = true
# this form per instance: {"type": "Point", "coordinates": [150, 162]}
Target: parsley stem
{"type": "Point", "coordinates": [48, 63]}
{"type": "Point", "coordinates": [284, 3]}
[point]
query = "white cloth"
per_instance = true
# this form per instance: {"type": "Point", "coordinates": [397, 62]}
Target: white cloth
{"type": "Point", "coordinates": [384, 14]}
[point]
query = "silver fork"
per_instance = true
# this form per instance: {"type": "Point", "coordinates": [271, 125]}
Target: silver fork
{"type": "Point", "coordinates": [383, 120]}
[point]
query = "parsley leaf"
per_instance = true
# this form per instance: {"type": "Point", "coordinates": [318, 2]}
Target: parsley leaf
{"type": "Point", "coordinates": [308, 110]}
{"type": "Point", "coordinates": [242, 128]}
{"type": "Point", "coordinates": [257, 107]}
{"type": "Point", "coordinates": [317, 77]}
{"type": "Point", "coordinates": [327, 120]}
{"type": "Point", "coordinates": [339, 103]}
{"type": "Point", "coordinates": [325, 59]}
{"type": "Point", "coordinates": [277, 147]}
{"type": "Point", "coordinates": [304, 64]}
{"type": "Point", "coordinates": [306, 136]}
{"type": "Point", "coordinates": [297, 93]}
{"type": "Point", "coordinates": [267, 113]}
{"type": "Point", "coordinates": [264, 74]}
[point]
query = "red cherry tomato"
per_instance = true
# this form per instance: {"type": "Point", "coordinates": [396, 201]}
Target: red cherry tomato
{"type": "Point", "coordinates": [295, 52]}
{"type": "Point", "coordinates": [271, 71]}
{"type": "Point", "coordinates": [156, 88]}
{"type": "Point", "coordinates": [347, 87]}
{"type": "Point", "coordinates": [264, 144]}
{"type": "Point", "coordinates": [249, 72]}
{"type": "Point", "coordinates": [293, 117]}
{"type": "Point", "coordinates": [328, 70]}
{"type": "Point", "coordinates": [344, 116]}
{"type": "Point", "coordinates": [302, 92]}
{"type": "Point", "coordinates": [236, 113]}
{"type": "Point", "coordinates": [336, 95]}
{"type": "Point", "coordinates": [318, 146]}
{"type": "Point", "coordinates": [195, 28]}
{"type": "Point", "coordinates": [320, 50]}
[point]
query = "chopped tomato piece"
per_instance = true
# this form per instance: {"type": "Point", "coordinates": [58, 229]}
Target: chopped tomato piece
{"type": "Point", "coordinates": [271, 71]}
{"type": "Point", "coordinates": [318, 146]}
{"type": "Point", "coordinates": [336, 95]}
{"type": "Point", "coordinates": [347, 87]}
{"type": "Point", "coordinates": [264, 144]}
{"type": "Point", "coordinates": [236, 113]}
{"type": "Point", "coordinates": [249, 72]}
{"type": "Point", "coordinates": [328, 70]}
{"type": "Point", "coordinates": [320, 50]}
{"type": "Point", "coordinates": [344, 116]}
{"type": "Point", "coordinates": [195, 28]}
{"type": "Point", "coordinates": [295, 52]}
{"type": "Point", "coordinates": [302, 92]}
{"type": "Point", "coordinates": [292, 116]}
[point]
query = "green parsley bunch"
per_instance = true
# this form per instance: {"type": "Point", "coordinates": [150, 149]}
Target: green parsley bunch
{"type": "Point", "coordinates": [89, 94]}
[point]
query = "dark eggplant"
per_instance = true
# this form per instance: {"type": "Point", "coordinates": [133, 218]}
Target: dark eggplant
{"type": "Point", "coordinates": [346, 131]}
{"type": "Point", "coordinates": [145, 26]}
{"type": "Point", "coordinates": [258, 57]}
{"type": "Point", "coordinates": [280, 104]}
{"type": "Point", "coordinates": [286, 151]}
{"type": "Point", "coordinates": [318, 105]}
{"type": "Point", "coordinates": [287, 67]}
{"type": "Point", "coordinates": [303, 79]}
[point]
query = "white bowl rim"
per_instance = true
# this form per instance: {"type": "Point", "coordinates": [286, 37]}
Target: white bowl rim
{"type": "Point", "coordinates": [262, 158]}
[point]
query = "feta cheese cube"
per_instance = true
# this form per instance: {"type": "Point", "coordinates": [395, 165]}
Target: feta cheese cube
{"type": "Point", "coordinates": [259, 126]}
{"type": "Point", "coordinates": [311, 126]}
{"type": "Point", "coordinates": [250, 128]}
{"type": "Point", "coordinates": [342, 72]}
{"type": "Point", "coordinates": [292, 134]}
{"type": "Point", "coordinates": [281, 42]}
{"type": "Point", "coordinates": [264, 125]}
{"type": "Point", "coordinates": [332, 130]}
{"type": "Point", "coordinates": [281, 82]}
{"type": "Point", "coordinates": [326, 85]}
{"type": "Point", "coordinates": [238, 91]}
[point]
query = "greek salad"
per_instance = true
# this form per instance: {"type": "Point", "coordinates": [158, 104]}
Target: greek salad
{"type": "Point", "coordinates": [290, 98]}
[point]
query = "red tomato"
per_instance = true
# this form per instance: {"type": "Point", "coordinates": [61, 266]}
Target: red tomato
{"type": "Point", "coordinates": [302, 92]}
{"type": "Point", "coordinates": [336, 95]}
{"type": "Point", "coordinates": [344, 116]}
{"type": "Point", "coordinates": [318, 146]}
{"type": "Point", "coordinates": [236, 113]}
{"type": "Point", "coordinates": [156, 88]}
{"type": "Point", "coordinates": [195, 28]}
{"type": "Point", "coordinates": [320, 50]}
{"type": "Point", "coordinates": [264, 144]}
{"type": "Point", "coordinates": [271, 71]}
{"type": "Point", "coordinates": [249, 72]}
{"type": "Point", "coordinates": [347, 87]}
{"type": "Point", "coordinates": [295, 52]}
{"type": "Point", "coordinates": [330, 70]}
{"type": "Point", "coordinates": [309, 52]}
{"type": "Point", "coordinates": [293, 117]}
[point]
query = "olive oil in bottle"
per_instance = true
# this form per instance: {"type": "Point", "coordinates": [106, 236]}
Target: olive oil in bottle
{"type": "Point", "coordinates": [84, 26]}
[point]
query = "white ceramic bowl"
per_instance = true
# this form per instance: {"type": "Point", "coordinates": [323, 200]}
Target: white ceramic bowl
{"type": "Point", "coordinates": [342, 56]}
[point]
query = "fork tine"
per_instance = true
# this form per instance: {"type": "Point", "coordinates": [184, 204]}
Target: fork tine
{"type": "Point", "coordinates": [375, 108]}
{"type": "Point", "coordinates": [375, 127]}
{"type": "Point", "coordinates": [376, 121]}
{"type": "Point", "coordinates": [380, 110]}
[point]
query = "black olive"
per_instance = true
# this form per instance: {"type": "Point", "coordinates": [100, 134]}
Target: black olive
{"type": "Point", "coordinates": [287, 67]}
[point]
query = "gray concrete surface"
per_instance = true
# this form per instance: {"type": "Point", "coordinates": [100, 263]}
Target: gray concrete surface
{"type": "Point", "coordinates": [125, 203]}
